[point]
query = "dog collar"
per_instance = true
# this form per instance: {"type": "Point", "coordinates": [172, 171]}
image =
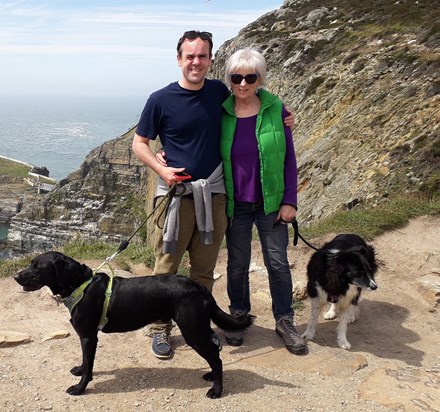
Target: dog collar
{"type": "Point", "coordinates": [75, 297]}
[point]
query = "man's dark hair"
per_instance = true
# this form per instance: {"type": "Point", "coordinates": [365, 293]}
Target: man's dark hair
{"type": "Point", "coordinates": [193, 34]}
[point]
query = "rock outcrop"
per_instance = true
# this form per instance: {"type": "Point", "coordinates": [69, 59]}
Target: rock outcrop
{"type": "Point", "coordinates": [363, 81]}
{"type": "Point", "coordinates": [103, 200]}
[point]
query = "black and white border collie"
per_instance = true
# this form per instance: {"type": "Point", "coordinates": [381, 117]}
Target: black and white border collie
{"type": "Point", "coordinates": [337, 273]}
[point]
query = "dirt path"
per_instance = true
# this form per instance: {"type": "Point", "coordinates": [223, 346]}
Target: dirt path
{"type": "Point", "coordinates": [394, 363]}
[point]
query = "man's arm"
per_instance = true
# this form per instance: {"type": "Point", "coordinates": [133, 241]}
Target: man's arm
{"type": "Point", "coordinates": [142, 150]}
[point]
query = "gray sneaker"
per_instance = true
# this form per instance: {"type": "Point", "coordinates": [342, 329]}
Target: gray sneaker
{"type": "Point", "coordinates": [161, 347]}
{"type": "Point", "coordinates": [235, 338]}
{"type": "Point", "coordinates": [293, 341]}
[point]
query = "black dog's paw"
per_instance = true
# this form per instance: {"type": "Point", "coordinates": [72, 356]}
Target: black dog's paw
{"type": "Point", "coordinates": [208, 377]}
{"type": "Point", "coordinates": [76, 371]}
{"type": "Point", "coordinates": [75, 390]}
{"type": "Point", "coordinates": [213, 393]}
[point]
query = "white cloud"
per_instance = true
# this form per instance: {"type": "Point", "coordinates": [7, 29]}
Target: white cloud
{"type": "Point", "coordinates": [131, 38]}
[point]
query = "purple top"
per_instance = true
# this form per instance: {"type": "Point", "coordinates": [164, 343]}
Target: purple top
{"type": "Point", "coordinates": [246, 163]}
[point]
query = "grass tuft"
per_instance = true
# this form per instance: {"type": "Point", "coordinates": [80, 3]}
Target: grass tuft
{"type": "Point", "coordinates": [370, 222]}
{"type": "Point", "coordinates": [367, 222]}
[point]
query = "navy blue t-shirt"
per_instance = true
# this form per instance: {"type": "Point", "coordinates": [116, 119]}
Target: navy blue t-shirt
{"type": "Point", "coordinates": [188, 123]}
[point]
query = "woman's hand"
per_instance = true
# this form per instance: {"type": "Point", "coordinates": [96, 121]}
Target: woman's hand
{"type": "Point", "coordinates": [161, 157]}
{"type": "Point", "coordinates": [286, 214]}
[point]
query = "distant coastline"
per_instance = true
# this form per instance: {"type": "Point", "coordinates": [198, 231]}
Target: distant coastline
{"type": "Point", "coordinates": [58, 133]}
{"type": "Point", "coordinates": [17, 161]}
{"type": "Point", "coordinates": [18, 181]}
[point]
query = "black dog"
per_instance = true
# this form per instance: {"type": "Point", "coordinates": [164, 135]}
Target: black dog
{"type": "Point", "coordinates": [337, 273]}
{"type": "Point", "coordinates": [134, 303]}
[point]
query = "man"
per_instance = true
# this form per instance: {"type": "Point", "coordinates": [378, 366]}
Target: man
{"type": "Point", "coordinates": [186, 115]}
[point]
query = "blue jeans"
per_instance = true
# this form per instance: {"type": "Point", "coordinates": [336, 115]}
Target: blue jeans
{"type": "Point", "coordinates": [274, 242]}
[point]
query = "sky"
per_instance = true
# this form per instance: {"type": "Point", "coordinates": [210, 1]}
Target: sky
{"type": "Point", "coordinates": [107, 48]}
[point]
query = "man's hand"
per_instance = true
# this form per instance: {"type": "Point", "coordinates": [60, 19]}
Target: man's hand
{"type": "Point", "coordinates": [168, 174]}
{"type": "Point", "coordinates": [141, 148]}
{"type": "Point", "coordinates": [289, 121]}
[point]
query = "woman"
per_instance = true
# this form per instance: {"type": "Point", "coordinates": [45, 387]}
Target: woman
{"type": "Point", "coordinates": [261, 184]}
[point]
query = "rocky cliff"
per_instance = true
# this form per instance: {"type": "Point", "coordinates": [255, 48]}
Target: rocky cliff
{"type": "Point", "coordinates": [103, 200]}
{"type": "Point", "coordinates": [363, 80]}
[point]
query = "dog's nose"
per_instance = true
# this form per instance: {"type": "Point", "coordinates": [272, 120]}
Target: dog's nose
{"type": "Point", "coordinates": [373, 285]}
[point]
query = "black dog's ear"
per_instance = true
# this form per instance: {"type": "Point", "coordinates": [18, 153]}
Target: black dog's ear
{"type": "Point", "coordinates": [86, 271]}
{"type": "Point", "coordinates": [70, 273]}
{"type": "Point", "coordinates": [60, 268]}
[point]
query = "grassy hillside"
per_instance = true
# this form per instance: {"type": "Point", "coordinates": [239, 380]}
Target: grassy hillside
{"type": "Point", "coordinates": [13, 169]}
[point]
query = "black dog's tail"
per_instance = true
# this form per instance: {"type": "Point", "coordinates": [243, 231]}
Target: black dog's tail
{"type": "Point", "coordinates": [225, 321]}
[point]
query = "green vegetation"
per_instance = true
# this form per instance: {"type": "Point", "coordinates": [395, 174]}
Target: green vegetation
{"type": "Point", "coordinates": [432, 184]}
{"type": "Point", "coordinates": [78, 248]}
{"type": "Point", "coordinates": [370, 222]}
{"type": "Point", "coordinates": [15, 169]}
{"type": "Point", "coordinates": [365, 221]}
{"type": "Point", "coordinates": [11, 267]}
{"type": "Point", "coordinates": [134, 253]}
{"type": "Point", "coordinates": [18, 170]}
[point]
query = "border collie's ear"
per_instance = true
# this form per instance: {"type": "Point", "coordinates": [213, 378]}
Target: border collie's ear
{"type": "Point", "coordinates": [371, 256]}
{"type": "Point", "coordinates": [370, 251]}
{"type": "Point", "coordinates": [357, 249]}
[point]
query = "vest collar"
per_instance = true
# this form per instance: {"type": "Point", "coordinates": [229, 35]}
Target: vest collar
{"type": "Point", "coordinates": [266, 99]}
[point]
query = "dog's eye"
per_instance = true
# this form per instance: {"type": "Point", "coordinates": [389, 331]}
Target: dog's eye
{"type": "Point", "coordinates": [356, 273]}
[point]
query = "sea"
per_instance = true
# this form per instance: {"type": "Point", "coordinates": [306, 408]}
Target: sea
{"type": "Point", "coordinates": [58, 132]}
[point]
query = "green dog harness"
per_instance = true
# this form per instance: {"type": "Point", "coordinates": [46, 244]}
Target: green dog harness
{"type": "Point", "coordinates": [75, 297]}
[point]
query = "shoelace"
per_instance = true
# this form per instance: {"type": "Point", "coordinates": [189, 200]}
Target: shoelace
{"type": "Point", "coordinates": [162, 338]}
{"type": "Point", "coordinates": [290, 327]}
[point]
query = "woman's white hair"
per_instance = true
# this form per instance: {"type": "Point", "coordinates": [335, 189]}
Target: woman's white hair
{"type": "Point", "coordinates": [247, 59]}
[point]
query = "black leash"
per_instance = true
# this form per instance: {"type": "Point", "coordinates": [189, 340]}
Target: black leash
{"type": "Point", "coordinates": [124, 244]}
{"type": "Point", "coordinates": [296, 233]}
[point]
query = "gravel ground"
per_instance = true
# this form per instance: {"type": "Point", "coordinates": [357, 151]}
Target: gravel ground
{"type": "Point", "coordinates": [393, 365]}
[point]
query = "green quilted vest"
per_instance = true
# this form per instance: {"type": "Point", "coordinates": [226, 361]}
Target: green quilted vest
{"type": "Point", "coordinates": [271, 147]}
